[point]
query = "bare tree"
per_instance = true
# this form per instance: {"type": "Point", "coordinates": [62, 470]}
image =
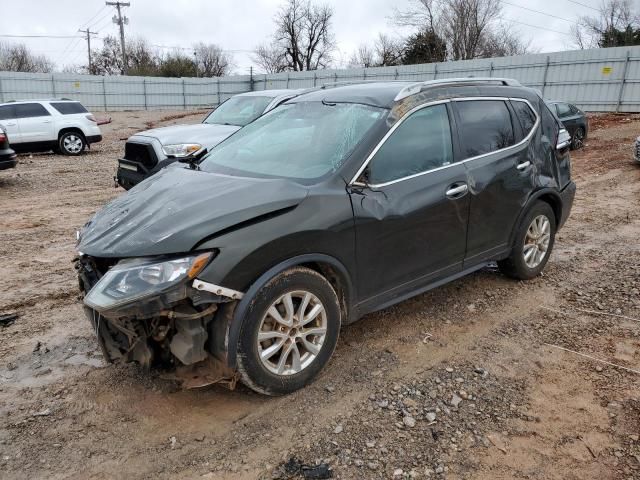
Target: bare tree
{"type": "Point", "coordinates": [270, 58]}
{"type": "Point", "coordinates": [617, 24]}
{"type": "Point", "coordinates": [364, 57]}
{"type": "Point", "coordinates": [302, 40]}
{"type": "Point", "coordinates": [386, 52]}
{"type": "Point", "coordinates": [501, 42]}
{"type": "Point", "coordinates": [470, 28]}
{"type": "Point", "coordinates": [212, 61]}
{"type": "Point", "coordinates": [18, 58]}
{"type": "Point", "coordinates": [142, 59]}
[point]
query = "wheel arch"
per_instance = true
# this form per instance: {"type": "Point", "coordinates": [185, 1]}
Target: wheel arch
{"type": "Point", "coordinates": [547, 195]}
{"type": "Point", "coordinates": [71, 129]}
{"type": "Point", "coordinates": [329, 267]}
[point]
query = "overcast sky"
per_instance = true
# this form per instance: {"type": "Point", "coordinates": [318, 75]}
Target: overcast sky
{"type": "Point", "coordinates": [239, 25]}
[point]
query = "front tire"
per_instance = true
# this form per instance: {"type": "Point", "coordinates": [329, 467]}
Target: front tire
{"type": "Point", "coordinates": [533, 243]}
{"type": "Point", "coordinates": [72, 143]}
{"type": "Point", "coordinates": [289, 332]}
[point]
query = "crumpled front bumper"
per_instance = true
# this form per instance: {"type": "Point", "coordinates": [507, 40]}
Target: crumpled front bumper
{"type": "Point", "coordinates": [184, 338]}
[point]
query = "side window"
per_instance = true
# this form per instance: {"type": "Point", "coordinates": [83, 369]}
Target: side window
{"type": "Point", "coordinates": [29, 110]}
{"type": "Point", "coordinates": [550, 125]}
{"type": "Point", "coordinates": [68, 108]}
{"type": "Point", "coordinates": [7, 112]}
{"type": "Point", "coordinates": [485, 126]}
{"type": "Point", "coordinates": [525, 116]}
{"type": "Point", "coordinates": [563, 110]}
{"type": "Point", "coordinates": [421, 143]}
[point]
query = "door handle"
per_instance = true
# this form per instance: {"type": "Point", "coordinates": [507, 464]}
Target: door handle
{"type": "Point", "coordinates": [523, 165]}
{"type": "Point", "coordinates": [456, 191]}
{"type": "Point", "coordinates": [46, 121]}
{"type": "Point", "coordinates": [12, 124]}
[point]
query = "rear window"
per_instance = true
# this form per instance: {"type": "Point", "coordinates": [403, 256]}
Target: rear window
{"type": "Point", "coordinates": [485, 126]}
{"type": "Point", "coordinates": [69, 108]}
{"type": "Point", "coordinates": [30, 110]}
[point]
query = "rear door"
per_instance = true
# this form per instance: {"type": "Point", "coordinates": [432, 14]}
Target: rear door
{"type": "Point", "coordinates": [10, 123]}
{"type": "Point", "coordinates": [35, 122]}
{"type": "Point", "coordinates": [501, 174]}
{"type": "Point", "coordinates": [411, 216]}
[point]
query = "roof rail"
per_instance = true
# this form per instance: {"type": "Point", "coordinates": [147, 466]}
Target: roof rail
{"type": "Point", "coordinates": [418, 86]}
{"type": "Point", "coordinates": [357, 82]}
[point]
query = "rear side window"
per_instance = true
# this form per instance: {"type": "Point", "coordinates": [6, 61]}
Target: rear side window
{"type": "Point", "coordinates": [7, 112]}
{"type": "Point", "coordinates": [69, 108]}
{"type": "Point", "coordinates": [421, 143]}
{"type": "Point", "coordinates": [563, 110]}
{"type": "Point", "coordinates": [28, 110]}
{"type": "Point", "coordinates": [485, 126]}
{"type": "Point", "coordinates": [525, 116]}
{"type": "Point", "coordinates": [550, 126]}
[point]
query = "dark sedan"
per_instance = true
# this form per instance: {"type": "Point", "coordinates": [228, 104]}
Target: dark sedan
{"type": "Point", "coordinates": [7, 156]}
{"type": "Point", "coordinates": [574, 120]}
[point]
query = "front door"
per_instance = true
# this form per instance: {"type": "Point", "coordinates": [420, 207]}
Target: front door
{"type": "Point", "coordinates": [411, 217]}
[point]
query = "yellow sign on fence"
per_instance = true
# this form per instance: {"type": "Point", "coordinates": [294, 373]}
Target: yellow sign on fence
{"type": "Point", "coordinates": [607, 70]}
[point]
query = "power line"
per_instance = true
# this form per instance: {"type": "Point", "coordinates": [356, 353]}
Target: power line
{"type": "Point", "coordinates": [39, 36]}
{"type": "Point", "coordinates": [535, 26]}
{"type": "Point", "coordinates": [537, 11]}
{"type": "Point", "coordinates": [100, 20]}
{"type": "Point", "coordinates": [583, 5]}
{"type": "Point", "coordinates": [99, 12]}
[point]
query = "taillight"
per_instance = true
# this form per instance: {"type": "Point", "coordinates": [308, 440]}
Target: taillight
{"type": "Point", "coordinates": [92, 118]}
{"type": "Point", "coordinates": [3, 137]}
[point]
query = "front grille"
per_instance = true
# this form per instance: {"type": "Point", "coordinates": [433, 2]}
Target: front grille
{"type": "Point", "coordinates": [638, 150]}
{"type": "Point", "coordinates": [141, 153]}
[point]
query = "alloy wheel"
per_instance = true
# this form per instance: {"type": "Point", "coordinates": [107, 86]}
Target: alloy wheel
{"type": "Point", "coordinates": [292, 332]}
{"type": "Point", "coordinates": [536, 241]}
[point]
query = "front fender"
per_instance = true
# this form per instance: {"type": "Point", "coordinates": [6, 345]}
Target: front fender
{"type": "Point", "coordinates": [236, 315]}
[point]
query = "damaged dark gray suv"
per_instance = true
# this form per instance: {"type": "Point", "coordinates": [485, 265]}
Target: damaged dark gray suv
{"type": "Point", "coordinates": [340, 202]}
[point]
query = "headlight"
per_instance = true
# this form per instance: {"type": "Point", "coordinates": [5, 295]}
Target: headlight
{"type": "Point", "coordinates": [181, 150]}
{"type": "Point", "coordinates": [132, 280]}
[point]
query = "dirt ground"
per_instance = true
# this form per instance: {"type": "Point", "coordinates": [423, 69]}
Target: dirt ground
{"type": "Point", "coordinates": [465, 381]}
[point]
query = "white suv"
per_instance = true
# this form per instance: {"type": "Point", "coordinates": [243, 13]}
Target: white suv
{"type": "Point", "coordinates": [64, 126]}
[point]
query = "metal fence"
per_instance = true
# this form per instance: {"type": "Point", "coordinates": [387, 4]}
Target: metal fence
{"type": "Point", "coordinates": [606, 79]}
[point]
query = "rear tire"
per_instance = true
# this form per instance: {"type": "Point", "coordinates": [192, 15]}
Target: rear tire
{"type": "Point", "coordinates": [72, 143]}
{"type": "Point", "coordinates": [577, 141]}
{"type": "Point", "coordinates": [289, 332]}
{"type": "Point", "coordinates": [532, 245]}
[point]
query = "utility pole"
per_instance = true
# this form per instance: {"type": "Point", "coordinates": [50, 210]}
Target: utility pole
{"type": "Point", "coordinates": [88, 33]}
{"type": "Point", "coordinates": [121, 21]}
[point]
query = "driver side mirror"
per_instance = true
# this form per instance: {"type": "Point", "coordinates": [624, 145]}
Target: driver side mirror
{"type": "Point", "coordinates": [564, 139]}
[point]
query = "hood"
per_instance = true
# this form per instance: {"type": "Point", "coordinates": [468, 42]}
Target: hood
{"type": "Point", "coordinates": [208, 135]}
{"type": "Point", "coordinates": [175, 209]}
